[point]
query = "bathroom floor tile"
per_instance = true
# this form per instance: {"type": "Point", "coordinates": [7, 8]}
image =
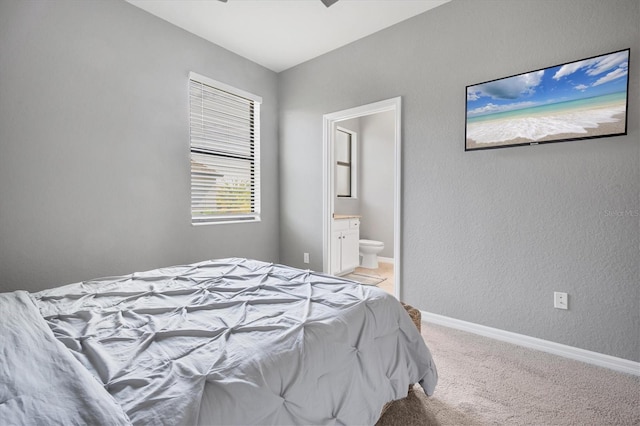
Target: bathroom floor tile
{"type": "Point", "coordinates": [385, 270]}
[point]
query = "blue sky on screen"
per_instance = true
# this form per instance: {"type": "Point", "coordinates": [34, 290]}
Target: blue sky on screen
{"type": "Point", "coordinates": [597, 76]}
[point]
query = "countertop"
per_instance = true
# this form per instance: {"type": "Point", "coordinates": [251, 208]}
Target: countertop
{"type": "Point", "coordinates": [346, 216]}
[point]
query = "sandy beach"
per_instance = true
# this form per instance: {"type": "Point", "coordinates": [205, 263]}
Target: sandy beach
{"type": "Point", "coordinates": [613, 122]}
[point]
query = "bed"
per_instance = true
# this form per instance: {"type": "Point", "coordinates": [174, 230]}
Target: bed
{"type": "Point", "coordinates": [227, 341]}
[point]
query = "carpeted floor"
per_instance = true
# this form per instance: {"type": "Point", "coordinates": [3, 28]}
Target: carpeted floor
{"type": "Point", "coordinates": [487, 382]}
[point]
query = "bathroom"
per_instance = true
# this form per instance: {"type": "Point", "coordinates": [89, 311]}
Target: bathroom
{"type": "Point", "coordinates": [364, 187]}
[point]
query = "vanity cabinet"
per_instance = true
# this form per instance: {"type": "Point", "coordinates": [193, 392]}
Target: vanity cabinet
{"type": "Point", "coordinates": [345, 245]}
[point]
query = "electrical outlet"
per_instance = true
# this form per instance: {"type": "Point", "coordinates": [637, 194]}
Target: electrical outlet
{"type": "Point", "coordinates": [306, 258]}
{"type": "Point", "coordinates": [560, 300]}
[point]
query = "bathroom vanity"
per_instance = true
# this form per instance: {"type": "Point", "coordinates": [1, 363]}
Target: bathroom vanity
{"type": "Point", "coordinates": [345, 238]}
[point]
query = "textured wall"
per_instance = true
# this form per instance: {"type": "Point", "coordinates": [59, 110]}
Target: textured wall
{"type": "Point", "coordinates": [487, 236]}
{"type": "Point", "coordinates": [94, 144]}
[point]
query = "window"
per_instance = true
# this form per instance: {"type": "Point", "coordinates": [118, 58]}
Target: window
{"type": "Point", "coordinates": [224, 125]}
{"type": "Point", "coordinates": [346, 155]}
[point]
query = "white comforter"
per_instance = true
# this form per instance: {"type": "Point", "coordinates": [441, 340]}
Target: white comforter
{"type": "Point", "coordinates": [237, 341]}
{"type": "Point", "coordinates": [40, 381]}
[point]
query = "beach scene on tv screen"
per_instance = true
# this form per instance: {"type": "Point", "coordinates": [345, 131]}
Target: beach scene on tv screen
{"type": "Point", "coordinates": [581, 99]}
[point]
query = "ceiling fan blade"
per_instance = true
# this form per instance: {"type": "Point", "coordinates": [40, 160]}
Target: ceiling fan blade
{"type": "Point", "coordinates": [328, 2]}
{"type": "Point", "coordinates": [325, 2]}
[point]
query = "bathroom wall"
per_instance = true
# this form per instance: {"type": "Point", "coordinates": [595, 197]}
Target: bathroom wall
{"type": "Point", "coordinates": [375, 197]}
{"type": "Point", "coordinates": [377, 134]}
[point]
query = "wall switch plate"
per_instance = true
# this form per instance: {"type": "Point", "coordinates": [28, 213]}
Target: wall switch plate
{"type": "Point", "coordinates": [560, 300]}
{"type": "Point", "coordinates": [306, 258]}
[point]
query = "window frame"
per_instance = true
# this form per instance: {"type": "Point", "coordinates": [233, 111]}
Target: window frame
{"type": "Point", "coordinates": [353, 163]}
{"type": "Point", "coordinates": [252, 145]}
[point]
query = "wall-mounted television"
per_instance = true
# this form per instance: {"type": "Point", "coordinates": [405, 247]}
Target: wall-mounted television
{"type": "Point", "coordinates": [578, 100]}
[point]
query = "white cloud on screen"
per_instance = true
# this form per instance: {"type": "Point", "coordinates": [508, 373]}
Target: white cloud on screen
{"type": "Point", "coordinates": [509, 88]}
{"type": "Point", "coordinates": [570, 69]}
{"type": "Point", "coordinates": [613, 75]}
{"type": "Point", "coordinates": [608, 62]}
{"type": "Point", "coordinates": [595, 65]}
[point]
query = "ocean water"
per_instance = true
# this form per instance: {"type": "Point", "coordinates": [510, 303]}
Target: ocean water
{"type": "Point", "coordinates": [572, 117]}
{"type": "Point", "coordinates": [588, 103]}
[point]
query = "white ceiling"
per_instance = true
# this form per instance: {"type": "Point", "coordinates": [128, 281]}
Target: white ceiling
{"type": "Point", "coordinates": [280, 34]}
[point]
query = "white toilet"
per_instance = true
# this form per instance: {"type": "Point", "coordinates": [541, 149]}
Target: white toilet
{"type": "Point", "coordinates": [369, 250]}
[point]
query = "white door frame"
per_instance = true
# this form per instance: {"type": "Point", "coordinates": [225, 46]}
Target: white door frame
{"type": "Point", "coordinates": [329, 123]}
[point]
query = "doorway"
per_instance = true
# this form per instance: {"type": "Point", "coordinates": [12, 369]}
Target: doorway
{"type": "Point", "coordinates": [330, 125]}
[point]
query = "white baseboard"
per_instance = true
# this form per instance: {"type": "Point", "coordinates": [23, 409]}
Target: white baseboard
{"type": "Point", "coordinates": [386, 259]}
{"type": "Point", "coordinates": [595, 358]}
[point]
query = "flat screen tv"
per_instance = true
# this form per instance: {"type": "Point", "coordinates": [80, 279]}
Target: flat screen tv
{"type": "Point", "coordinates": [578, 100]}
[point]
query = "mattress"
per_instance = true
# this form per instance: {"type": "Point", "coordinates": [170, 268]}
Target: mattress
{"type": "Point", "coordinates": [239, 341]}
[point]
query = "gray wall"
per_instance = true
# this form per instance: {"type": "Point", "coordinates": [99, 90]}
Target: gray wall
{"type": "Point", "coordinates": [487, 236]}
{"type": "Point", "coordinates": [94, 144]}
{"type": "Point", "coordinates": [377, 133]}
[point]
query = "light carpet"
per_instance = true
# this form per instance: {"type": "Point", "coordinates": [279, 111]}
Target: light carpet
{"type": "Point", "coordinates": [483, 381]}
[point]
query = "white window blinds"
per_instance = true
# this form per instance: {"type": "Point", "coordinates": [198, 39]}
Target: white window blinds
{"type": "Point", "coordinates": [224, 125]}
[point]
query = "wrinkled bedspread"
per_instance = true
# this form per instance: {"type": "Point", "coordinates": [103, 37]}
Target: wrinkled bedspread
{"type": "Point", "coordinates": [40, 381]}
{"type": "Point", "coordinates": [237, 341]}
